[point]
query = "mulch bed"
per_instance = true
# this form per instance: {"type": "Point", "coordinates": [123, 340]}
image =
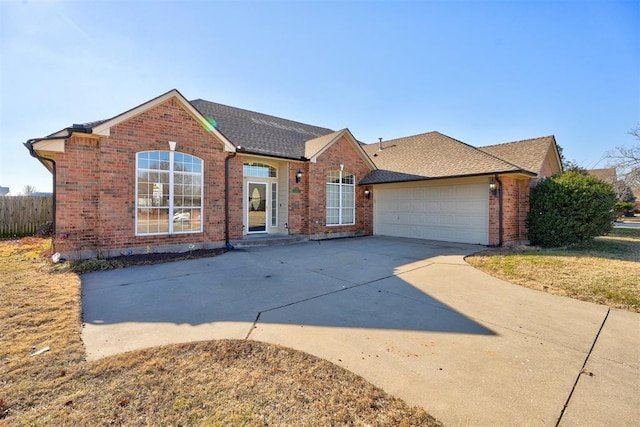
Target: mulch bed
{"type": "Point", "coordinates": [154, 258]}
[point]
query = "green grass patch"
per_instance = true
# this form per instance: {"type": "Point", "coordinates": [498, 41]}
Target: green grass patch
{"type": "Point", "coordinates": [626, 232]}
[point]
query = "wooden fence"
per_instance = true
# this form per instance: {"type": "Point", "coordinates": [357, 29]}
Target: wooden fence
{"type": "Point", "coordinates": [22, 215]}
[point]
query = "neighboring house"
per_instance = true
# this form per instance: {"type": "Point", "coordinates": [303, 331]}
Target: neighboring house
{"type": "Point", "coordinates": [607, 175]}
{"type": "Point", "coordinates": [4, 191]}
{"type": "Point", "coordinates": [610, 176]}
{"type": "Point", "coordinates": [173, 175]}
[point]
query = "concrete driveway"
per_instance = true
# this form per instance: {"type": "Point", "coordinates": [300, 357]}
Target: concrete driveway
{"type": "Point", "coordinates": [408, 315]}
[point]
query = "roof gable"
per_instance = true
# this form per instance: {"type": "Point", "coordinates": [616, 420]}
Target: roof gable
{"type": "Point", "coordinates": [428, 156]}
{"type": "Point", "coordinates": [315, 147]}
{"type": "Point", "coordinates": [529, 154]}
{"type": "Point", "coordinates": [103, 127]}
{"type": "Point", "coordinates": [259, 133]}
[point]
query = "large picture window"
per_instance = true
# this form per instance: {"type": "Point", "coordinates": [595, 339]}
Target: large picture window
{"type": "Point", "coordinates": [341, 192]}
{"type": "Point", "coordinates": [168, 193]}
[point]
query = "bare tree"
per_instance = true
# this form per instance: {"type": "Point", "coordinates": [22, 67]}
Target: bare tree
{"type": "Point", "coordinates": [569, 165]}
{"type": "Point", "coordinates": [28, 190]}
{"type": "Point", "coordinates": [626, 160]}
{"type": "Point", "coordinates": [623, 192]}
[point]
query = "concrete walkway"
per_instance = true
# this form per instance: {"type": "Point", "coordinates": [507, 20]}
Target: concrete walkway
{"type": "Point", "coordinates": [409, 316]}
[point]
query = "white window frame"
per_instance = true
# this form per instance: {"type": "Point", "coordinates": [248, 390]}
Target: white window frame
{"type": "Point", "coordinates": [342, 189]}
{"type": "Point", "coordinates": [171, 206]}
{"type": "Point", "coordinates": [249, 169]}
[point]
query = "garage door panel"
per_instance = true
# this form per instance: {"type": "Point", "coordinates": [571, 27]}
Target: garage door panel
{"type": "Point", "coordinates": [462, 221]}
{"type": "Point", "coordinates": [432, 206]}
{"type": "Point", "coordinates": [478, 206]}
{"type": "Point", "coordinates": [457, 213]}
{"type": "Point", "coordinates": [478, 222]}
{"type": "Point", "coordinates": [417, 206]}
{"type": "Point", "coordinates": [447, 207]}
{"type": "Point", "coordinates": [464, 205]}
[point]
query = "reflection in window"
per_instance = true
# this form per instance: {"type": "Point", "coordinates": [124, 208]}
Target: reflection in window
{"type": "Point", "coordinates": [259, 170]}
{"type": "Point", "coordinates": [168, 193]}
{"type": "Point", "coordinates": [340, 198]}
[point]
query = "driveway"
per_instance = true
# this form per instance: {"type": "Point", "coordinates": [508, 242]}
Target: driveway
{"type": "Point", "coordinates": [408, 315]}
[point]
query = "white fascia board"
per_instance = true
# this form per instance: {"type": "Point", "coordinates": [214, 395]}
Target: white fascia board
{"type": "Point", "coordinates": [50, 145]}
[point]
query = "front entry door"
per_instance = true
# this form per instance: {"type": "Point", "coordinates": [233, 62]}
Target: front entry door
{"type": "Point", "coordinates": [257, 207]}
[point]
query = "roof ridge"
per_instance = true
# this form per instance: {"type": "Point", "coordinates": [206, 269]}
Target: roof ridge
{"type": "Point", "coordinates": [518, 167]}
{"type": "Point", "coordinates": [407, 137]}
{"type": "Point", "coordinates": [602, 169]}
{"type": "Point", "coordinates": [518, 141]}
{"type": "Point", "coordinates": [472, 147]}
{"type": "Point", "coordinates": [506, 150]}
{"type": "Point", "coordinates": [464, 149]}
{"type": "Point", "coordinates": [503, 160]}
{"type": "Point", "coordinates": [260, 114]}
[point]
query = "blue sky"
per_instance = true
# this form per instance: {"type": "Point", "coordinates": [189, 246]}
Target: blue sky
{"type": "Point", "coordinates": [483, 72]}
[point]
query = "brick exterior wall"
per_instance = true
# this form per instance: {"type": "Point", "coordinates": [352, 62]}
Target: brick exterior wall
{"type": "Point", "coordinates": [96, 176]}
{"type": "Point", "coordinates": [550, 166]}
{"type": "Point", "coordinates": [308, 214]}
{"type": "Point", "coordinates": [77, 195]}
{"type": "Point", "coordinates": [95, 190]}
{"type": "Point", "coordinates": [298, 198]}
{"type": "Point", "coordinates": [515, 206]}
{"type": "Point", "coordinates": [235, 197]}
{"type": "Point", "coordinates": [95, 185]}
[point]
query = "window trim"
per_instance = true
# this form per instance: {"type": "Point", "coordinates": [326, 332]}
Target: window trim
{"type": "Point", "coordinates": [171, 208]}
{"type": "Point", "coordinates": [274, 204]}
{"type": "Point", "coordinates": [341, 206]}
{"type": "Point", "coordinates": [268, 167]}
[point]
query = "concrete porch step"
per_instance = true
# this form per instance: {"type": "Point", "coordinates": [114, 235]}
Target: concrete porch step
{"type": "Point", "coordinates": [255, 240]}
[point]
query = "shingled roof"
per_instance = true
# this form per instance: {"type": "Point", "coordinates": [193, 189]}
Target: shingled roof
{"type": "Point", "coordinates": [607, 174]}
{"type": "Point", "coordinates": [428, 156]}
{"type": "Point", "coordinates": [260, 133]}
{"type": "Point", "coordinates": [529, 154]}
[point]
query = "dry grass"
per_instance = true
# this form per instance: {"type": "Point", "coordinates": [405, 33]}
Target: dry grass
{"type": "Point", "coordinates": [607, 272]}
{"type": "Point", "coordinates": [207, 383]}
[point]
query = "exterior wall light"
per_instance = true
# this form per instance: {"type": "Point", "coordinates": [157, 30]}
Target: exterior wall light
{"type": "Point", "coordinates": [298, 176]}
{"type": "Point", "coordinates": [492, 186]}
{"type": "Point", "coordinates": [367, 194]}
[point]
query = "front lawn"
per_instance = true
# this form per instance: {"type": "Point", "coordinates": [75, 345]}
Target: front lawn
{"type": "Point", "coordinates": [208, 383]}
{"type": "Point", "coordinates": [608, 272]}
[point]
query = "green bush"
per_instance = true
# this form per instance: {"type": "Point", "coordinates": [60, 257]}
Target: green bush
{"type": "Point", "coordinates": [570, 209]}
{"type": "Point", "coordinates": [625, 208]}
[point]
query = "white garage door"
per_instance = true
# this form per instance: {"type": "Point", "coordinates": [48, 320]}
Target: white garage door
{"type": "Point", "coordinates": [452, 212]}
